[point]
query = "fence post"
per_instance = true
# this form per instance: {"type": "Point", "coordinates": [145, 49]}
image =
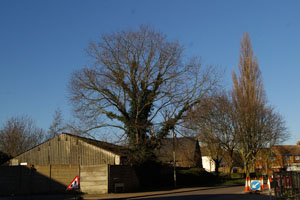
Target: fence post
{"type": "Point", "coordinates": [50, 178]}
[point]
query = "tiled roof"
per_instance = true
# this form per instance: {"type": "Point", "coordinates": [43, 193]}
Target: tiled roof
{"type": "Point", "coordinates": [204, 151]}
{"type": "Point", "coordinates": [288, 149]}
{"type": "Point", "coordinates": [183, 146]}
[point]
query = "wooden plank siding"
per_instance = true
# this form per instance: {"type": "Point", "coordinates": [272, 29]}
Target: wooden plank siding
{"type": "Point", "coordinates": [67, 150]}
{"type": "Point", "coordinates": [94, 179]}
{"type": "Point", "coordinates": [54, 179]}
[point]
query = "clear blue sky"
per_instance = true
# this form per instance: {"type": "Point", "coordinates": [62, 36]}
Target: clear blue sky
{"type": "Point", "coordinates": [42, 42]}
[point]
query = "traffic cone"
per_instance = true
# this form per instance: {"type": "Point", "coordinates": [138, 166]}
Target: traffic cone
{"type": "Point", "coordinates": [262, 183]}
{"type": "Point", "coordinates": [269, 183]}
{"type": "Point", "coordinates": [247, 185]}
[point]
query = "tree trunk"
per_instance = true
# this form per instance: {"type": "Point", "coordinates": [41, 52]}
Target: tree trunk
{"type": "Point", "coordinates": [246, 168]}
{"type": "Point", "coordinates": [217, 165]}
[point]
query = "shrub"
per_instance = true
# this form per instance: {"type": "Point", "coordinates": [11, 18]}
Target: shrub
{"type": "Point", "coordinates": [195, 177]}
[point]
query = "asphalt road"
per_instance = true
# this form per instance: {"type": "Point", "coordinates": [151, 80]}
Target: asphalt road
{"type": "Point", "coordinates": [210, 193]}
{"type": "Point", "coordinates": [225, 193]}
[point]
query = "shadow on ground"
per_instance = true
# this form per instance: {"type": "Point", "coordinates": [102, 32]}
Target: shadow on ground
{"type": "Point", "coordinates": [212, 193]}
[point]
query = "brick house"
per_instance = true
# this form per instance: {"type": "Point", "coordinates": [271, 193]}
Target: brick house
{"type": "Point", "coordinates": [280, 158]}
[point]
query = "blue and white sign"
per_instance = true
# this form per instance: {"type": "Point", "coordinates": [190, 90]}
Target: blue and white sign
{"type": "Point", "coordinates": [255, 185]}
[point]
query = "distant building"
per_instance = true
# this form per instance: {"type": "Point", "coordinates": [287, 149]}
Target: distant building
{"type": "Point", "coordinates": [187, 152]}
{"type": "Point", "coordinates": [71, 149]}
{"type": "Point", "coordinates": [280, 158]}
{"type": "Point", "coordinates": [210, 166]}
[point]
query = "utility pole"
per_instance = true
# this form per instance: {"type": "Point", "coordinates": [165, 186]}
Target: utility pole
{"type": "Point", "coordinates": [174, 157]}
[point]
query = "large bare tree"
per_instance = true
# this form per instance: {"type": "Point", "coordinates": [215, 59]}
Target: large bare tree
{"type": "Point", "coordinates": [140, 83]}
{"type": "Point", "coordinates": [259, 126]}
{"type": "Point", "coordinates": [19, 134]}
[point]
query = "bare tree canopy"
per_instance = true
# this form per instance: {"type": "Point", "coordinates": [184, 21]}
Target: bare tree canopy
{"type": "Point", "coordinates": [57, 125]}
{"type": "Point", "coordinates": [242, 121]}
{"type": "Point", "coordinates": [139, 82]}
{"type": "Point", "coordinates": [213, 122]}
{"type": "Point", "coordinates": [259, 126]}
{"type": "Point", "coordinates": [19, 134]}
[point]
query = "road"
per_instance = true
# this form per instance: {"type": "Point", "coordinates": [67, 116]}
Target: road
{"type": "Point", "coordinates": [201, 193]}
{"type": "Point", "coordinates": [225, 193]}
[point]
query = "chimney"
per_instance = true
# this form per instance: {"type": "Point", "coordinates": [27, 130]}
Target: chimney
{"type": "Point", "coordinates": [298, 143]}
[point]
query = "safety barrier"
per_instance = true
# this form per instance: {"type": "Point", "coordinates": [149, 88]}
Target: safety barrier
{"type": "Point", "coordinates": [257, 184]}
{"type": "Point", "coordinates": [287, 185]}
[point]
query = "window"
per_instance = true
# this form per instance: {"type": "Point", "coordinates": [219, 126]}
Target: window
{"type": "Point", "coordinates": [297, 157]}
{"type": "Point", "coordinates": [288, 157]}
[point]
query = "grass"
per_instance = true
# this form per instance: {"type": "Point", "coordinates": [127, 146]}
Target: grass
{"type": "Point", "coordinates": [233, 182]}
{"type": "Point", "coordinates": [230, 179]}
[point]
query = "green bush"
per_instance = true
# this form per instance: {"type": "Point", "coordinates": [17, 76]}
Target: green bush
{"type": "Point", "coordinates": [195, 177]}
{"type": "Point", "coordinates": [153, 175]}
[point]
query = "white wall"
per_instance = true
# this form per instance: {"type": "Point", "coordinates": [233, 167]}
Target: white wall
{"type": "Point", "coordinates": [208, 164]}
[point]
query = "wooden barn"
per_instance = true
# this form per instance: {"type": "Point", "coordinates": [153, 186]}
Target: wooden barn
{"type": "Point", "coordinates": [100, 166]}
{"type": "Point", "coordinates": [71, 149]}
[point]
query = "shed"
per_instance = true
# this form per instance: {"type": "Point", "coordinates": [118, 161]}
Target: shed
{"type": "Point", "coordinates": [71, 149]}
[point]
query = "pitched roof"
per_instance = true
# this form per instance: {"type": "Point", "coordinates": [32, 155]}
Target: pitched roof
{"type": "Point", "coordinates": [116, 149]}
{"type": "Point", "coordinates": [288, 149]}
{"type": "Point", "coordinates": [184, 147]}
{"type": "Point", "coordinates": [204, 151]}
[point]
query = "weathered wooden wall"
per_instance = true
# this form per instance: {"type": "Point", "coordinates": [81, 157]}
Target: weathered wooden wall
{"type": "Point", "coordinates": [36, 180]}
{"type": "Point", "coordinates": [122, 175]}
{"type": "Point", "coordinates": [54, 179]}
{"type": "Point", "coordinates": [66, 149]}
{"type": "Point", "coordinates": [94, 179]}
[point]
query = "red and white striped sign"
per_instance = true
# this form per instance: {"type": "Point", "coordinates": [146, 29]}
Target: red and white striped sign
{"type": "Point", "coordinates": [74, 184]}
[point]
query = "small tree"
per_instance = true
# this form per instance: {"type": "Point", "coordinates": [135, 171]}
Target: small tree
{"type": "Point", "coordinates": [19, 134]}
{"type": "Point", "coordinates": [138, 80]}
{"type": "Point", "coordinates": [213, 122]}
{"type": "Point", "coordinates": [4, 158]}
{"type": "Point", "coordinates": [57, 125]}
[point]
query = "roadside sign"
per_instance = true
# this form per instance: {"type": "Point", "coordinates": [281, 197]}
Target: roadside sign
{"type": "Point", "coordinates": [74, 184]}
{"type": "Point", "coordinates": [255, 185]}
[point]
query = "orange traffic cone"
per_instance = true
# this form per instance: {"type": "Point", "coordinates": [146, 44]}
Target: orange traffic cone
{"type": "Point", "coordinates": [247, 184]}
{"type": "Point", "coordinates": [269, 183]}
{"type": "Point", "coordinates": [262, 183]}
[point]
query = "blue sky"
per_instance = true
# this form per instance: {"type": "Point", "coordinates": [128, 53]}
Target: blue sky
{"type": "Point", "coordinates": [42, 42]}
